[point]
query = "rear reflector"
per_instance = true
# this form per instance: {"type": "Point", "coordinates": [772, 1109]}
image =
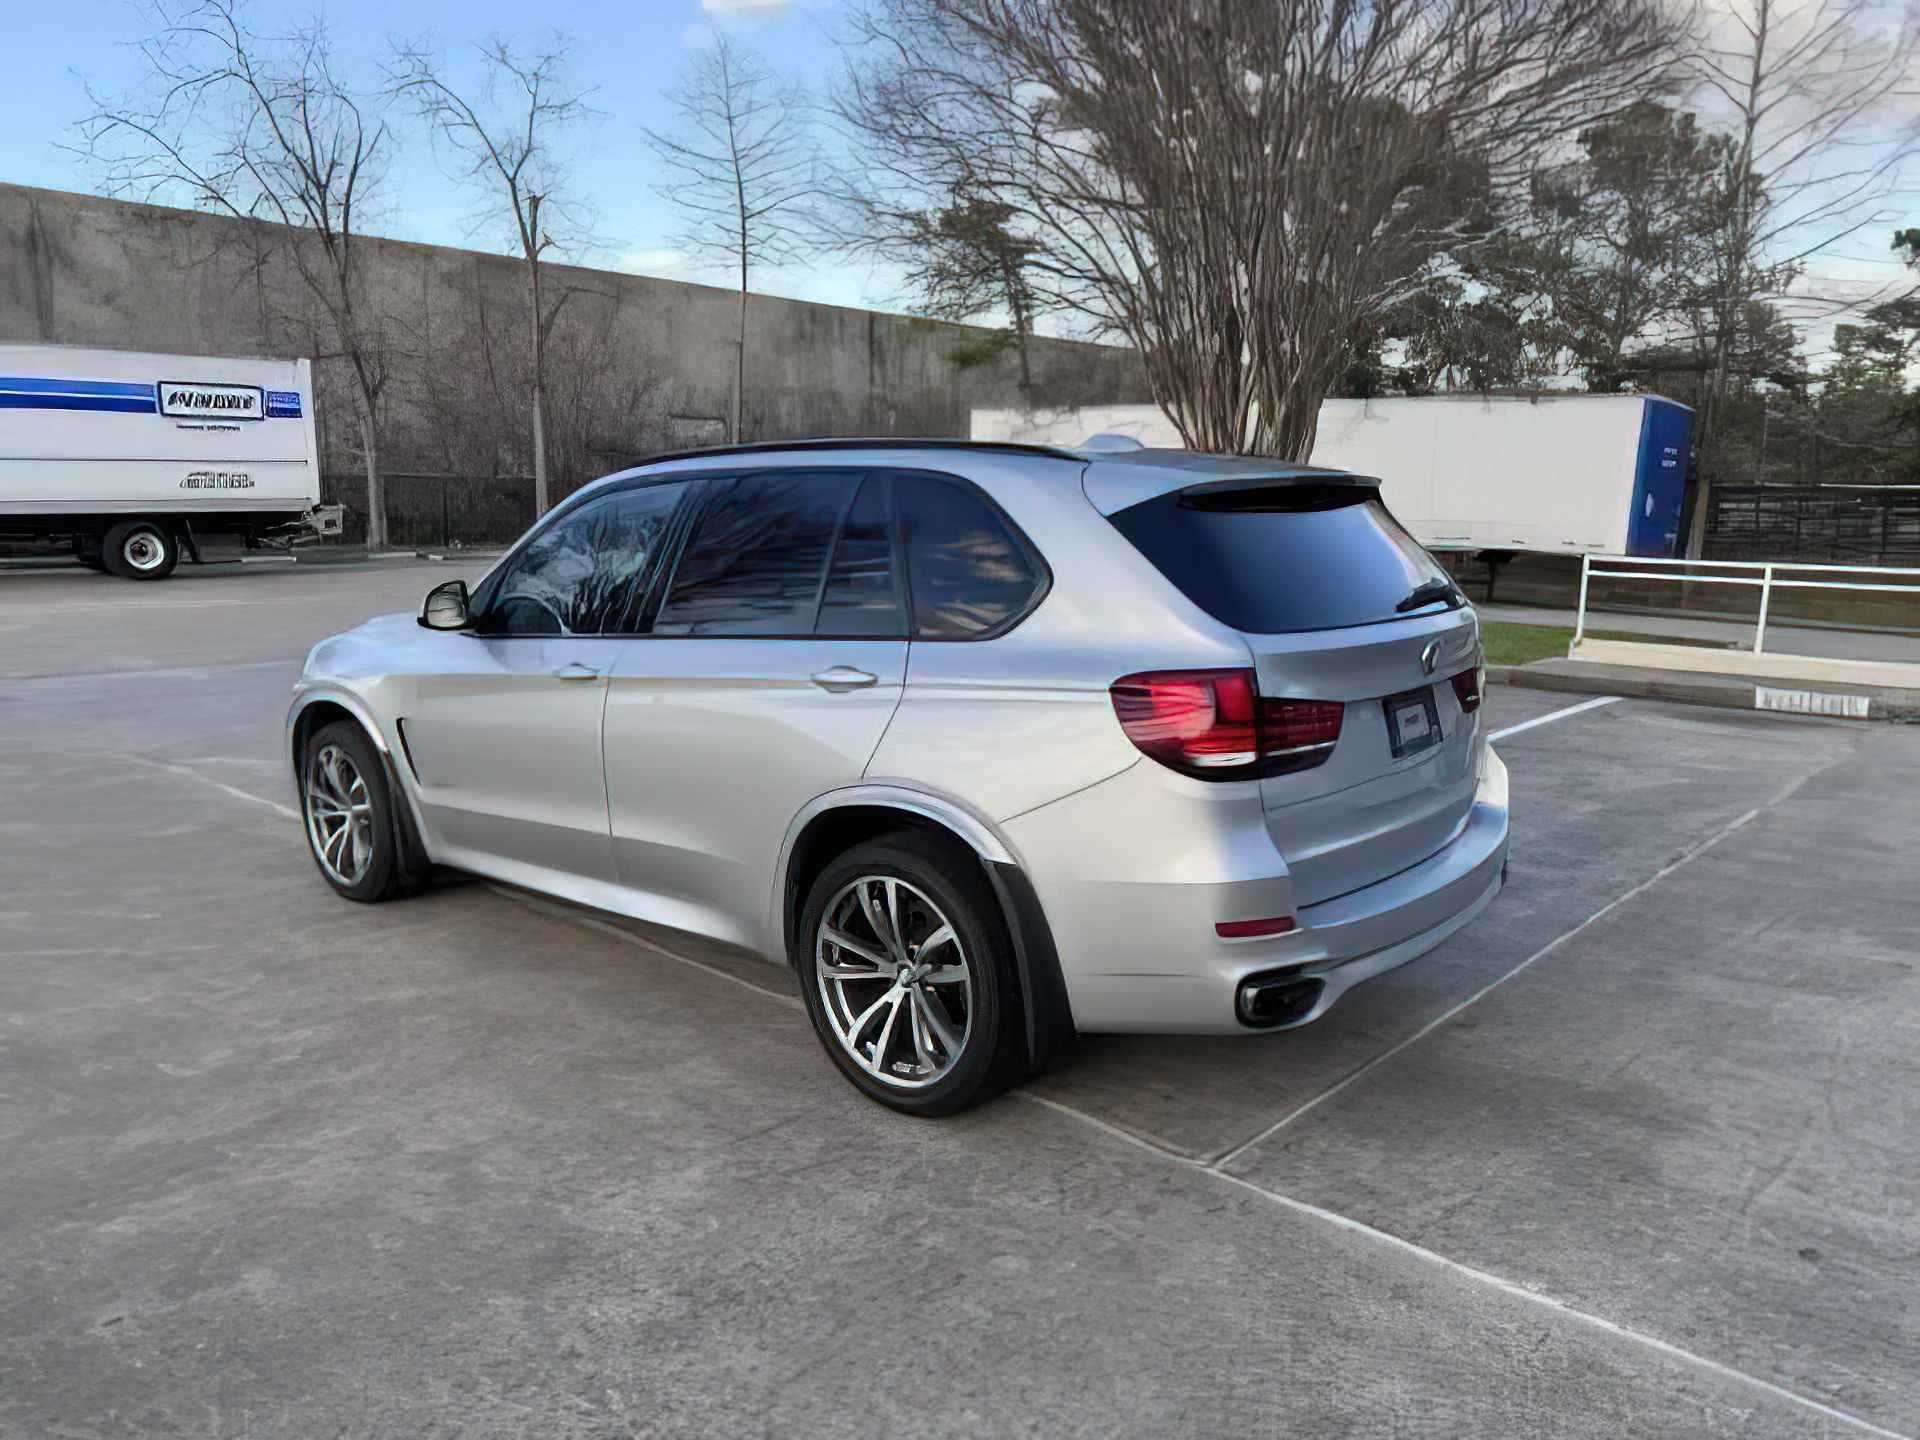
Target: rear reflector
{"type": "Point", "coordinates": [1467, 686]}
{"type": "Point", "coordinates": [1215, 725]}
{"type": "Point", "coordinates": [1248, 929]}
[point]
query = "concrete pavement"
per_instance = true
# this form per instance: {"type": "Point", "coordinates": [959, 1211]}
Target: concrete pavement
{"type": "Point", "coordinates": [1631, 1156]}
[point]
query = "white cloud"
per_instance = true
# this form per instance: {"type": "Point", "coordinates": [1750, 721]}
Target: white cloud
{"type": "Point", "coordinates": [736, 7]}
{"type": "Point", "coordinates": [660, 260]}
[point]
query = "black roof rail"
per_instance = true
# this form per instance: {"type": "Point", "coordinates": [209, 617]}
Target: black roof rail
{"type": "Point", "coordinates": [861, 442]}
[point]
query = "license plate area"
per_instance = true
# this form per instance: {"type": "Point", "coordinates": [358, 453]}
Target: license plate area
{"type": "Point", "coordinates": [1413, 721]}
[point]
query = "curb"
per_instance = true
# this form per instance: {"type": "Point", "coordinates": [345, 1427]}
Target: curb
{"type": "Point", "coordinates": [1725, 692]}
{"type": "Point", "coordinates": [359, 554]}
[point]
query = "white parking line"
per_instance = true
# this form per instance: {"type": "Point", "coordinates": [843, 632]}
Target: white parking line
{"type": "Point", "coordinates": [1551, 716]}
{"type": "Point", "coordinates": [235, 791]}
{"type": "Point", "coordinates": [1213, 1170]}
{"type": "Point", "coordinates": [1698, 848]}
{"type": "Point", "coordinates": [1470, 1272]}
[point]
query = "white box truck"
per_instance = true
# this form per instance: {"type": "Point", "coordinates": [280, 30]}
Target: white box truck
{"type": "Point", "coordinates": [1559, 474]}
{"type": "Point", "coordinates": [135, 458]}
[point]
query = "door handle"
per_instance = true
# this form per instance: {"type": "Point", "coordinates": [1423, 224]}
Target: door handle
{"type": "Point", "coordinates": [844, 677]}
{"type": "Point", "coordinates": [574, 670]}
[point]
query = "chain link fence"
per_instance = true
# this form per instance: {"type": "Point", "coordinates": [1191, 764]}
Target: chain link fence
{"type": "Point", "coordinates": [436, 511]}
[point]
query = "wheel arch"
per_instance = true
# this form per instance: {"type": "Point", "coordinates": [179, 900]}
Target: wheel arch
{"type": "Point", "coordinates": [835, 822]}
{"type": "Point", "coordinates": [322, 707]}
{"type": "Point", "coordinates": [317, 708]}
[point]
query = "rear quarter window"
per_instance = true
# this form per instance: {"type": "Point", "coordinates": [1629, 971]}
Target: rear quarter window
{"type": "Point", "coordinates": [970, 575]}
{"type": "Point", "coordinates": [1285, 558]}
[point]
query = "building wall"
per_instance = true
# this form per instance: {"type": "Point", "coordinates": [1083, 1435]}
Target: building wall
{"type": "Point", "coordinates": [82, 270]}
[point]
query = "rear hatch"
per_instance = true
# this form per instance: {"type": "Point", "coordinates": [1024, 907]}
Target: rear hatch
{"type": "Point", "coordinates": [1336, 602]}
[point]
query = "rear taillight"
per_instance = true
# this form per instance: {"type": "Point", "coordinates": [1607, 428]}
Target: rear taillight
{"type": "Point", "coordinates": [1466, 688]}
{"type": "Point", "coordinates": [1215, 725]}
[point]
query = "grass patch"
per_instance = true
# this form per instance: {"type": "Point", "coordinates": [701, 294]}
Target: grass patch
{"type": "Point", "coordinates": [1510, 644]}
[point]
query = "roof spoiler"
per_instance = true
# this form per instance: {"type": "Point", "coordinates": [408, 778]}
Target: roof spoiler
{"type": "Point", "coordinates": [1112, 488]}
{"type": "Point", "coordinates": [1320, 480]}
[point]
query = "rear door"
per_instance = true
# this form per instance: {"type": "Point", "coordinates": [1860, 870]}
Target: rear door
{"type": "Point", "coordinates": [1337, 602]}
{"type": "Point", "coordinates": [766, 678]}
{"type": "Point", "coordinates": [503, 734]}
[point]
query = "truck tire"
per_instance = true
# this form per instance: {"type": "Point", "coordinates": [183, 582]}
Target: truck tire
{"type": "Point", "coordinates": [141, 550]}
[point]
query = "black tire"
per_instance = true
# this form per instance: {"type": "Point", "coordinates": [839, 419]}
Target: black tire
{"type": "Point", "coordinates": [947, 874]}
{"type": "Point", "coordinates": [140, 550]}
{"type": "Point", "coordinates": [385, 873]}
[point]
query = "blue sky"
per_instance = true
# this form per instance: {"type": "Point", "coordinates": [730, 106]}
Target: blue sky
{"type": "Point", "coordinates": [628, 52]}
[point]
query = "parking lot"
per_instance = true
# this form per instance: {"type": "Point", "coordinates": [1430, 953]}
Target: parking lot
{"type": "Point", "coordinates": [1637, 1153]}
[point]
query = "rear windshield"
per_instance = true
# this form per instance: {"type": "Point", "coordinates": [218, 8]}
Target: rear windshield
{"type": "Point", "coordinates": [1286, 558]}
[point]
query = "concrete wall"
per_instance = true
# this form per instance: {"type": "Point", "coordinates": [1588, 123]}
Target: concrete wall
{"type": "Point", "coordinates": [642, 362]}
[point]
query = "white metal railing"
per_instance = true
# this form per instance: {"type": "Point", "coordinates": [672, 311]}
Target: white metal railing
{"type": "Point", "coordinates": [1767, 580]}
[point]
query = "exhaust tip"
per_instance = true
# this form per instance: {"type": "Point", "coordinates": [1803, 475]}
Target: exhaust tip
{"type": "Point", "coordinates": [1265, 1001]}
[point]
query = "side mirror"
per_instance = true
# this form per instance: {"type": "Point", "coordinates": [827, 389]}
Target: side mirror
{"type": "Point", "coordinates": [445, 607]}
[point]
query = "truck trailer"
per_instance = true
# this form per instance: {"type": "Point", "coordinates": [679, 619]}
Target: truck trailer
{"type": "Point", "coordinates": [135, 459]}
{"type": "Point", "coordinates": [1558, 473]}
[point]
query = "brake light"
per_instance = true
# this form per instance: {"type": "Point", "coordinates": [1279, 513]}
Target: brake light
{"type": "Point", "coordinates": [1466, 688]}
{"type": "Point", "coordinates": [1215, 724]}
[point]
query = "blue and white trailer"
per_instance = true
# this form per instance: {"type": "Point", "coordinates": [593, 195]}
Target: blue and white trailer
{"type": "Point", "coordinates": [1560, 473]}
{"type": "Point", "coordinates": [135, 458]}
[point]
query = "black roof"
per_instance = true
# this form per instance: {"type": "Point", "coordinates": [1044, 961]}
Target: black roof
{"type": "Point", "coordinates": [865, 442]}
{"type": "Point", "coordinates": [1213, 472]}
{"type": "Point", "coordinates": [1223, 467]}
{"type": "Point", "coordinates": [1192, 473]}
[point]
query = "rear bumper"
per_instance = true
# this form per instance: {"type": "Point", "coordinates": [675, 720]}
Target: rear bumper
{"type": "Point", "coordinates": [1141, 955]}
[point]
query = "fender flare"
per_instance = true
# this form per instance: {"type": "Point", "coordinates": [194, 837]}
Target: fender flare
{"type": "Point", "coordinates": [1043, 991]}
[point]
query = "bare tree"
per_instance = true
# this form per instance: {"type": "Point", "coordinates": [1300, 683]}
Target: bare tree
{"type": "Point", "coordinates": [1233, 186]}
{"type": "Point", "coordinates": [1811, 89]}
{"type": "Point", "coordinates": [745, 171]}
{"type": "Point", "coordinates": [262, 128]}
{"type": "Point", "coordinates": [963, 262]}
{"type": "Point", "coordinates": [509, 144]}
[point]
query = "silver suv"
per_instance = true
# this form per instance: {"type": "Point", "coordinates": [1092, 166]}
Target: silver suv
{"type": "Point", "coordinates": [991, 743]}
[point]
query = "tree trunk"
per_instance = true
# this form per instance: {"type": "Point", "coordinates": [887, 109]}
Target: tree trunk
{"type": "Point", "coordinates": [1293, 430]}
{"type": "Point", "coordinates": [540, 494]}
{"type": "Point", "coordinates": [1022, 323]}
{"type": "Point", "coordinates": [740, 354]}
{"type": "Point", "coordinates": [376, 488]}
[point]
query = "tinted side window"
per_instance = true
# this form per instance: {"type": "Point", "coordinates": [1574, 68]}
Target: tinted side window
{"type": "Point", "coordinates": [969, 575]}
{"type": "Point", "coordinates": [757, 556]}
{"type": "Point", "coordinates": [588, 572]}
{"type": "Point", "coordinates": [863, 595]}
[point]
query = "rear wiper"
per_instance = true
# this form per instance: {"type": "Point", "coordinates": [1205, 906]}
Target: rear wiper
{"type": "Point", "coordinates": [1426, 594]}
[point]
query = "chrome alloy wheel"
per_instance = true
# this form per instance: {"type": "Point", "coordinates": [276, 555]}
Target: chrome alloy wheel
{"type": "Point", "coordinates": [895, 981]}
{"type": "Point", "coordinates": [339, 816]}
{"type": "Point", "coordinates": [143, 551]}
